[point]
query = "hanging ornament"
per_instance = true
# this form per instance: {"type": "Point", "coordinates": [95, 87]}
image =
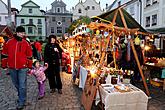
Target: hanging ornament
{"type": "Point", "coordinates": [137, 41]}
{"type": "Point", "coordinates": [129, 36]}
{"type": "Point", "coordinates": [106, 34]}
{"type": "Point", "coordinates": [125, 40]}
{"type": "Point", "coordinates": [97, 32]}
{"type": "Point", "coordinates": [128, 51]}
{"type": "Point", "coordinates": [87, 30]}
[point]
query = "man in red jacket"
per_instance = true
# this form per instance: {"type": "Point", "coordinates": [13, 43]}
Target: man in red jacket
{"type": "Point", "coordinates": [17, 56]}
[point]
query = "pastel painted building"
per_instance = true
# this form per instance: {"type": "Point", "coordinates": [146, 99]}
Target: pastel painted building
{"type": "Point", "coordinates": [58, 19]}
{"type": "Point", "coordinates": [33, 20]}
{"type": "Point", "coordinates": [88, 8]}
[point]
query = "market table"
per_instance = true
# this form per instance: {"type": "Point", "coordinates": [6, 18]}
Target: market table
{"type": "Point", "coordinates": [152, 67]}
{"type": "Point", "coordinates": [135, 99]}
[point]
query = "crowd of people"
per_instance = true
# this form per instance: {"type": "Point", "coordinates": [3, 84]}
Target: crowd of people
{"type": "Point", "coordinates": [22, 56]}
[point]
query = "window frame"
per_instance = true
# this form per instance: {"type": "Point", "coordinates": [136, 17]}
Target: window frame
{"type": "Point", "coordinates": [40, 30]}
{"type": "Point", "coordinates": [59, 30]}
{"type": "Point", "coordinates": [93, 7]}
{"type": "Point", "coordinates": [30, 31]}
{"type": "Point", "coordinates": [52, 30]}
{"type": "Point", "coordinates": [148, 21]}
{"type": "Point", "coordinates": [58, 11]}
{"type": "Point", "coordinates": [79, 10]}
{"type": "Point", "coordinates": [30, 10]}
{"type": "Point", "coordinates": [39, 21]}
{"type": "Point", "coordinates": [53, 19]}
{"type": "Point", "coordinates": [30, 21]}
{"type": "Point", "coordinates": [148, 3]}
{"type": "Point", "coordinates": [154, 19]}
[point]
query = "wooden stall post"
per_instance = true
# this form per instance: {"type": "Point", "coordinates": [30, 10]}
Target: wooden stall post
{"type": "Point", "coordinates": [140, 70]}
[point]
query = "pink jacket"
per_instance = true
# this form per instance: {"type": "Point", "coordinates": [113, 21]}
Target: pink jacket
{"type": "Point", "coordinates": [39, 73]}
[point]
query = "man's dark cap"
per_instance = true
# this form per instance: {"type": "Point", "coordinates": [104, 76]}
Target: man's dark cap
{"type": "Point", "coordinates": [20, 29]}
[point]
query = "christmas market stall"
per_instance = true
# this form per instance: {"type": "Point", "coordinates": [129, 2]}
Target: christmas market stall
{"type": "Point", "coordinates": [108, 36]}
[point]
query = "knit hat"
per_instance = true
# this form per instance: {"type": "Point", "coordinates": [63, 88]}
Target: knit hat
{"type": "Point", "coordinates": [20, 29]}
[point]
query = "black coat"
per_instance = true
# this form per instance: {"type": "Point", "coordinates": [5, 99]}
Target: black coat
{"type": "Point", "coordinates": [51, 56]}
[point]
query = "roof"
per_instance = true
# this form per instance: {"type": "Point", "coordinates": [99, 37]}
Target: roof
{"type": "Point", "coordinates": [31, 2]}
{"type": "Point", "coordinates": [121, 18]}
{"type": "Point", "coordinates": [58, 3]}
{"type": "Point", "coordinates": [5, 29]}
{"type": "Point", "coordinates": [157, 30]}
{"type": "Point", "coordinates": [109, 8]}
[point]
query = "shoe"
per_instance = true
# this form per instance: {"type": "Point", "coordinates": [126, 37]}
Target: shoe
{"type": "Point", "coordinates": [40, 97]}
{"type": "Point", "coordinates": [60, 91]}
{"type": "Point", "coordinates": [20, 107]}
{"type": "Point", "coordinates": [53, 90]}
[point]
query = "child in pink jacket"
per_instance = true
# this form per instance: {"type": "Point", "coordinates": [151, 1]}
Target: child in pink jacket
{"type": "Point", "coordinates": [38, 72]}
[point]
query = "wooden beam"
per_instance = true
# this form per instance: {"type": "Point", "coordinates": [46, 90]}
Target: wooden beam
{"type": "Point", "coordinates": [114, 18]}
{"type": "Point", "coordinates": [140, 70]}
{"type": "Point", "coordinates": [123, 19]}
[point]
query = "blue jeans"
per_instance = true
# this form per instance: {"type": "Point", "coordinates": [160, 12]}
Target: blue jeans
{"type": "Point", "coordinates": [19, 79]}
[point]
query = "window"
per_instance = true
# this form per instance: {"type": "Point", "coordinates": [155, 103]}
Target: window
{"type": "Point", "coordinates": [63, 19]}
{"type": "Point", "coordinates": [154, 1]}
{"type": "Point", "coordinates": [6, 18]}
{"type": "Point", "coordinates": [58, 10]}
{"type": "Point", "coordinates": [30, 21]}
{"type": "Point", "coordinates": [154, 20]}
{"type": "Point", "coordinates": [148, 21]}
{"type": "Point", "coordinates": [52, 30]}
{"type": "Point", "coordinates": [22, 21]}
{"type": "Point", "coordinates": [79, 11]}
{"type": "Point", "coordinates": [39, 21]}
{"type": "Point", "coordinates": [93, 7]}
{"type": "Point", "coordinates": [30, 30]}
{"type": "Point", "coordinates": [39, 30]}
{"type": "Point", "coordinates": [66, 29]}
{"type": "Point", "coordinates": [53, 19]}
{"type": "Point", "coordinates": [88, 7]}
{"type": "Point", "coordinates": [119, 3]}
{"type": "Point", "coordinates": [59, 30]}
{"type": "Point", "coordinates": [30, 10]}
{"type": "Point", "coordinates": [148, 3]}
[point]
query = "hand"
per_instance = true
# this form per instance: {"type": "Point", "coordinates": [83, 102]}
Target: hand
{"type": "Point", "coordinates": [46, 64]}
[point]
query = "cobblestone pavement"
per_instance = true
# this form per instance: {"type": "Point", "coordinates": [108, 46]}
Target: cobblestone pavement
{"type": "Point", "coordinates": [69, 100]}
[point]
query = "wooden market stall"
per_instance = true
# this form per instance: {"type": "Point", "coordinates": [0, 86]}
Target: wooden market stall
{"type": "Point", "coordinates": [108, 27]}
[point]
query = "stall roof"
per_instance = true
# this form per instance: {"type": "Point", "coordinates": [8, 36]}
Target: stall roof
{"type": "Point", "coordinates": [5, 31]}
{"type": "Point", "coordinates": [121, 18]}
{"type": "Point", "coordinates": [157, 30]}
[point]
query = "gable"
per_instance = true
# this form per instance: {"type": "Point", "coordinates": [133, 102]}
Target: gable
{"type": "Point", "coordinates": [30, 4]}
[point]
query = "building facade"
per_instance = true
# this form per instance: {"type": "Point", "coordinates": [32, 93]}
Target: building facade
{"type": "Point", "coordinates": [3, 13]}
{"type": "Point", "coordinates": [58, 19]}
{"type": "Point", "coordinates": [4, 19]}
{"type": "Point", "coordinates": [88, 8]}
{"type": "Point", "coordinates": [33, 20]}
{"type": "Point", "coordinates": [154, 19]}
{"type": "Point", "coordinates": [133, 7]}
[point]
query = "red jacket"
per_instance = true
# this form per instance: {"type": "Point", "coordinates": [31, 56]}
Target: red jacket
{"type": "Point", "coordinates": [38, 46]}
{"type": "Point", "coordinates": [17, 54]}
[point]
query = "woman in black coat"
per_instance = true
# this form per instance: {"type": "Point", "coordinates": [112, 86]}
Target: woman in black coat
{"type": "Point", "coordinates": [52, 56]}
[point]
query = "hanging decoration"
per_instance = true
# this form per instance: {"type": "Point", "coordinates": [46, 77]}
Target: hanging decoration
{"type": "Point", "coordinates": [97, 32]}
{"type": "Point", "coordinates": [87, 30]}
{"type": "Point", "coordinates": [125, 40]}
{"type": "Point", "coordinates": [106, 34]}
{"type": "Point", "coordinates": [137, 41]}
{"type": "Point", "coordinates": [129, 48]}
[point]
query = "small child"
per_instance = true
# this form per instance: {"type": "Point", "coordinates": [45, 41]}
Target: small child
{"type": "Point", "coordinates": [38, 72]}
